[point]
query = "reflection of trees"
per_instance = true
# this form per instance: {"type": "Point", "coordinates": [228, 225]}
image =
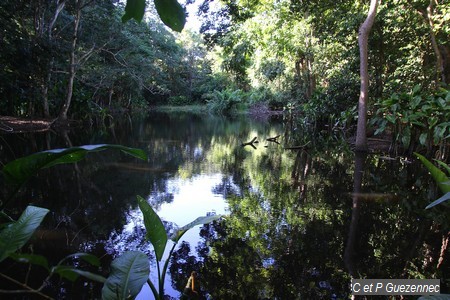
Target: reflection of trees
{"type": "Point", "coordinates": [275, 243]}
{"type": "Point", "coordinates": [90, 202]}
{"type": "Point", "coordinates": [290, 211]}
{"type": "Point", "coordinates": [390, 232]}
{"type": "Point", "coordinates": [231, 269]}
{"type": "Point", "coordinates": [352, 244]}
{"type": "Point", "coordinates": [289, 220]}
{"type": "Point", "coordinates": [182, 263]}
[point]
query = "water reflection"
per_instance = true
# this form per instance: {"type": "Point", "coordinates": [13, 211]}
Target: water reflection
{"type": "Point", "coordinates": [295, 226]}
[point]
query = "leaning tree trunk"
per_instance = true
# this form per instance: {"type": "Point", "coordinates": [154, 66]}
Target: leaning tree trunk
{"type": "Point", "coordinates": [363, 37]}
{"type": "Point", "coordinates": [62, 117]}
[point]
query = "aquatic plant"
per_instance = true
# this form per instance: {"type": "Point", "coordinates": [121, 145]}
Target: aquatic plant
{"type": "Point", "coordinates": [124, 267]}
{"type": "Point", "coordinates": [442, 180]}
{"type": "Point", "coordinates": [129, 272]}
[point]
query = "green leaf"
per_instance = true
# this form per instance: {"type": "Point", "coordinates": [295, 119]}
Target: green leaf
{"type": "Point", "coordinates": [416, 89]}
{"type": "Point", "coordinates": [442, 103]}
{"type": "Point", "coordinates": [89, 258]}
{"type": "Point", "coordinates": [17, 234]}
{"type": "Point", "coordinates": [444, 165]}
{"type": "Point", "coordinates": [406, 137]}
{"type": "Point", "coordinates": [171, 13]}
{"type": "Point", "coordinates": [423, 138]}
{"type": "Point", "coordinates": [129, 272]}
{"type": "Point", "coordinates": [20, 170]}
{"type": "Point", "coordinates": [72, 274]}
{"type": "Point", "coordinates": [439, 201]}
{"type": "Point", "coordinates": [34, 259]}
{"type": "Point", "coordinates": [134, 9]}
{"type": "Point", "coordinates": [436, 173]}
{"type": "Point", "coordinates": [390, 118]}
{"type": "Point", "coordinates": [415, 101]}
{"type": "Point", "coordinates": [156, 233]}
{"type": "Point", "coordinates": [199, 221]}
{"type": "Point", "coordinates": [432, 121]}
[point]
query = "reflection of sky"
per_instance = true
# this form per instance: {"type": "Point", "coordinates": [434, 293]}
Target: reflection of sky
{"type": "Point", "coordinates": [192, 198]}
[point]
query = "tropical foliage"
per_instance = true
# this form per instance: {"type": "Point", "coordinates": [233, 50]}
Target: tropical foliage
{"type": "Point", "coordinates": [129, 272]}
{"type": "Point", "coordinates": [414, 117]}
{"type": "Point", "coordinates": [441, 179]}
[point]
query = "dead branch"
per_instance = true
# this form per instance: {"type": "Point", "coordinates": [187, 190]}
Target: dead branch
{"type": "Point", "coordinates": [274, 139]}
{"type": "Point", "coordinates": [251, 143]}
{"type": "Point", "coordinates": [297, 147]}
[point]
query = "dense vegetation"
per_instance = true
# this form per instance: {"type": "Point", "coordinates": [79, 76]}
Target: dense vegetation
{"type": "Point", "coordinates": [77, 58]}
{"type": "Point", "coordinates": [114, 65]}
{"type": "Point", "coordinates": [74, 59]}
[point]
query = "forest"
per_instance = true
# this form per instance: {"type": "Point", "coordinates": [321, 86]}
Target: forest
{"type": "Point", "coordinates": [326, 122]}
{"type": "Point", "coordinates": [75, 59]}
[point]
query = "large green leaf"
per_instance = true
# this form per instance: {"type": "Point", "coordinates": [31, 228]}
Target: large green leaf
{"type": "Point", "coordinates": [156, 233]}
{"type": "Point", "coordinates": [20, 170]}
{"type": "Point", "coordinates": [134, 9]}
{"type": "Point", "coordinates": [439, 201]}
{"type": "Point", "coordinates": [436, 173]}
{"type": "Point", "coordinates": [129, 272]}
{"type": "Point", "coordinates": [199, 221]}
{"type": "Point", "coordinates": [89, 258]}
{"type": "Point", "coordinates": [171, 13]}
{"type": "Point", "coordinates": [444, 165]}
{"type": "Point", "coordinates": [72, 273]}
{"type": "Point", "coordinates": [34, 259]}
{"type": "Point", "coordinates": [17, 234]}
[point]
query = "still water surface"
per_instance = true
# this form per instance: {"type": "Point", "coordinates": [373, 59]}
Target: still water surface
{"type": "Point", "coordinates": [299, 222]}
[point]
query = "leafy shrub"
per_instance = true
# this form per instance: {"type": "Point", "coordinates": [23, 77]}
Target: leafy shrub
{"type": "Point", "coordinates": [336, 103]}
{"type": "Point", "coordinates": [179, 100]}
{"type": "Point", "coordinates": [129, 272]}
{"type": "Point", "coordinates": [225, 101]}
{"type": "Point", "coordinates": [415, 115]}
{"type": "Point", "coordinates": [211, 83]}
{"type": "Point", "coordinates": [270, 70]}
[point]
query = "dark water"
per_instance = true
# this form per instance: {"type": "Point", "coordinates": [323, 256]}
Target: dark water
{"type": "Point", "coordinates": [299, 222]}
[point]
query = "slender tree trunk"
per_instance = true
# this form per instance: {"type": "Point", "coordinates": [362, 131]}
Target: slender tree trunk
{"type": "Point", "coordinates": [62, 117]}
{"type": "Point", "coordinates": [440, 74]}
{"type": "Point", "coordinates": [363, 37]}
{"type": "Point", "coordinates": [45, 89]}
{"type": "Point", "coordinates": [59, 7]}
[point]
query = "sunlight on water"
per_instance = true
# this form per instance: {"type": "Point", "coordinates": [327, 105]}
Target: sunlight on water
{"type": "Point", "coordinates": [192, 198]}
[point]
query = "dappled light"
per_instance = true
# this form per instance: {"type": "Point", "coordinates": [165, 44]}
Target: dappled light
{"type": "Point", "coordinates": [231, 149]}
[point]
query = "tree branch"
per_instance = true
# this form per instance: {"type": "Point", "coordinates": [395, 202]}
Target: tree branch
{"type": "Point", "coordinates": [27, 289]}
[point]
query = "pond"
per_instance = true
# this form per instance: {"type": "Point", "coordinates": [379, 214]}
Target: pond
{"type": "Point", "coordinates": [302, 213]}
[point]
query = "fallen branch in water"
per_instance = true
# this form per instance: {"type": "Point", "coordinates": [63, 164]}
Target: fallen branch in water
{"type": "Point", "coordinates": [297, 147]}
{"type": "Point", "coordinates": [274, 139]}
{"type": "Point", "coordinates": [251, 143]}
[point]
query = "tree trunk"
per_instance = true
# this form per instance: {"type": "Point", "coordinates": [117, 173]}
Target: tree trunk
{"type": "Point", "coordinates": [59, 7]}
{"type": "Point", "coordinates": [363, 37]}
{"type": "Point", "coordinates": [351, 247]}
{"type": "Point", "coordinates": [62, 117]}
{"type": "Point", "coordinates": [45, 89]}
{"type": "Point", "coordinates": [440, 74]}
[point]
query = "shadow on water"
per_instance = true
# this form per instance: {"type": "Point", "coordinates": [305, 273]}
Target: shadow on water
{"type": "Point", "coordinates": [304, 213]}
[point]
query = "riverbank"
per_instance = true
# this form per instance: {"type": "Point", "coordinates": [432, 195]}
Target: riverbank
{"type": "Point", "coordinates": [10, 124]}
